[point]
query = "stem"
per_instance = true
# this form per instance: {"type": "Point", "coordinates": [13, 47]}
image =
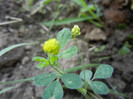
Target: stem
{"type": "Point", "coordinates": [121, 97]}
{"type": "Point", "coordinates": [60, 68]}
{"type": "Point", "coordinates": [17, 81]}
{"type": "Point", "coordinates": [58, 5]}
{"type": "Point", "coordinates": [93, 95]}
{"type": "Point", "coordinates": [80, 67]}
{"type": "Point", "coordinates": [83, 69]}
{"type": "Point", "coordinates": [80, 56]}
{"type": "Point", "coordinates": [94, 15]}
{"type": "Point", "coordinates": [79, 51]}
{"type": "Point", "coordinates": [82, 92]}
{"type": "Point", "coordinates": [119, 94]}
{"type": "Point", "coordinates": [53, 66]}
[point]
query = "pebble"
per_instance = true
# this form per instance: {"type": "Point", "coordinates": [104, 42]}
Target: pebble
{"type": "Point", "coordinates": [95, 34]}
{"type": "Point", "coordinates": [25, 60]}
{"type": "Point", "coordinates": [42, 31]}
{"type": "Point", "coordinates": [28, 47]}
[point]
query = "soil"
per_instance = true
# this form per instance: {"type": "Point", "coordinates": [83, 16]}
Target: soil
{"type": "Point", "coordinates": [18, 64]}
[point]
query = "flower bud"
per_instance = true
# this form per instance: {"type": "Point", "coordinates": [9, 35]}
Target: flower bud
{"type": "Point", "coordinates": [75, 31]}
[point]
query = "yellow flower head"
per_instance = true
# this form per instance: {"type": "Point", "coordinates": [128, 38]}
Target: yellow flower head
{"type": "Point", "coordinates": [51, 46]}
{"type": "Point", "coordinates": [75, 31]}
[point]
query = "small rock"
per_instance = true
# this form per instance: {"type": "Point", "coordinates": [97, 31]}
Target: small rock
{"type": "Point", "coordinates": [42, 31]}
{"type": "Point", "coordinates": [22, 29]}
{"type": "Point", "coordinates": [95, 34]}
{"type": "Point", "coordinates": [25, 60]}
{"type": "Point", "coordinates": [11, 57]}
{"type": "Point", "coordinates": [28, 47]}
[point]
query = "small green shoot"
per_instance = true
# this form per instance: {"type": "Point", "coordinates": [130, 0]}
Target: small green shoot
{"type": "Point", "coordinates": [125, 49]}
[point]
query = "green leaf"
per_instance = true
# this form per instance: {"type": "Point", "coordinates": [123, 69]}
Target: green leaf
{"type": "Point", "coordinates": [72, 81]}
{"type": "Point", "coordinates": [44, 79]}
{"type": "Point", "coordinates": [124, 50]}
{"type": "Point", "coordinates": [38, 58]}
{"type": "Point", "coordinates": [88, 75]}
{"type": "Point", "coordinates": [81, 3]}
{"type": "Point", "coordinates": [45, 2]}
{"type": "Point", "coordinates": [6, 89]}
{"type": "Point", "coordinates": [42, 65]}
{"type": "Point", "coordinates": [12, 47]}
{"type": "Point", "coordinates": [92, 7]}
{"type": "Point", "coordinates": [53, 91]}
{"type": "Point", "coordinates": [99, 87]}
{"type": "Point", "coordinates": [103, 71]}
{"type": "Point", "coordinates": [67, 20]}
{"type": "Point", "coordinates": [63, 37]}
{"type": "Point", "coordinates": [53, 60]}
{"type": "Point", "coordinates": [69, 52]}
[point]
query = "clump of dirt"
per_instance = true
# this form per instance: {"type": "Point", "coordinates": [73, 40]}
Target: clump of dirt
{"type": "Point", "coordinates": [112, 16]}
{"type": "Point", "coordinates": [116, 12]}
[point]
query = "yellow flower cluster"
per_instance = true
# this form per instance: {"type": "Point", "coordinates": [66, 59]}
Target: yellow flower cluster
{"type": "Point", "coordinates": [75, 31]}
{"type": "Point", "coordinates": [51, 46]}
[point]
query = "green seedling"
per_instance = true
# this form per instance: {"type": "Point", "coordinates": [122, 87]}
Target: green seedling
{"type": "Point", "coordinates": [52, 81]}
{"type": "Point", "coordinates": [125, 49]}
{"type": "Point", "coordinates": [53, 47]}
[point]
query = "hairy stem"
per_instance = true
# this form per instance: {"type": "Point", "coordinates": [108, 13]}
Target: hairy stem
{"type": "Point", "coordinates": [53, 66]}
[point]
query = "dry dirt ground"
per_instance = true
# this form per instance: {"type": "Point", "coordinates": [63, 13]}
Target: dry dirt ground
{"type": "Point", "coordinates": [18, 64]}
